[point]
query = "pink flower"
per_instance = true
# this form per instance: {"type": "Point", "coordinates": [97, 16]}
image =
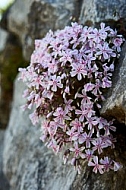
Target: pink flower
{"type": "Point", "coordinates": [53, 144]}
{"type": "Point", "coordinates": [79, 70]}
{"type": "Point", "coordinates": [67, 89]}
{"type": "Point", "coordinates": [104, 29]}
{"type": "Point", "coordinates": [110, 141]}
{"type": "Point", "coordinates": [65, 80]}
{"type": "Point", "coordinates": [106, 83]}
{"type": "Point", "coordinates": [91, 70]}
{"type": "Point", "coordinates": [105, 51]}
{"type": "Point", "coordinates": [65, 56]}
{"type": "Point", "coordinates": [66, 155]}
{"type": "Point", "coordinates": [38, 100]}
{"type": "Point", "coordinates": [101, 122]}
{"type": "Point", "coordinates": [118, 42]}
{"type": "Point", "coordinates": [68, 106]}
{"type": "Point", "coordinates": [44, 125]}
{"type": "Point", "coordinates": [37, 82]}
{"type": "Point", "coordinates": [83, 112]}
{"type": "Point", "coordinates": [52, 66]}
{"type": "Point", "coordinates": [60, 115]}
{"type": "Point", "coordinates": [77, 125]}
{"type": "Point", "coordinates": [23, 75]}
{"type": "Point", "coordinates": [107, 163]}
{"type": "Point", "coordinates": [89, 154]}
{"type": "Point", "coordinates": [52, 129]}
{"type": "Point", "coordinates": [87, 138]}
{"type": "Point", "coordinates": [109, 127]}
{"type": "Point", "coordinates": [85, 33]}
{"type": "Point", "coordinates": [99, 145]}
{"type": "Point", "coordinates": [84, 96]}
{"type": "Point", "coordinates": [77, 151]}
{"type": "Point", "coordinates": [47, 94]}
{"type": "Point", "coordinates": [89, 58]}
{"type": "Point", "coordinates": [73, 136]}
{"type": "Point", "coordinates": [89, 87]}
{"type": "Point", "coordinates": [117, 166]}
{"type": "Point", "coordinates": [96, 165]}
{"type": "Point", "coordinates": [75, 162]}
{"type": "Point", "coordinates": [55, 82]}
{"type": "Point", "coordinates": [98, 35]}
{"type": "Point", "coordinates": [34, 117]}
{"type": "Point", "coordinates": [91, 122]}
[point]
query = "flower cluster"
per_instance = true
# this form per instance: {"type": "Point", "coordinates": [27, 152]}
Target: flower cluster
{"type": "Point", "coordinates": [68, 72]}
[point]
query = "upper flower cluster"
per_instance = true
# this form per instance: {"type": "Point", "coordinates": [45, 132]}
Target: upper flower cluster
{"type": "Point", "coordinates": [68, 71]}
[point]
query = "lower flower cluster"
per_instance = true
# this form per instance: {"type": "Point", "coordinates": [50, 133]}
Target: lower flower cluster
{"type": "Point", "coordinates": [68, 73]}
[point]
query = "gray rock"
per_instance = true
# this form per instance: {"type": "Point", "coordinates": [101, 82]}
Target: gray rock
{"type": "Point", "coordinates": [3, 39]}
{"type": "Point", "coordinates": [4, 185]}
{"type": "Point", "coordinates": [10, 60]}
{"type": "Point", "coordinates": [38, 17]}
{"type": "Point", "coordinates": [115, 104]}
{"type": "Point", "coordinates": [17, 18]}
{"type": "Point", "coordinates": [102, 10]}
{"type": "Point", "coordinates": [29, 165]}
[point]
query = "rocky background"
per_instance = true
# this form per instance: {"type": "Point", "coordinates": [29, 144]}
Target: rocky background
{"type": "Point", "coordinates": [25, 163]}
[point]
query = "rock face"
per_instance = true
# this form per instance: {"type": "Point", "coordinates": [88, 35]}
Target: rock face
{"type": "Point", "coordinates": [10, 60]}
{"type": "Point", "coordinates": [31, 166]}
{"type": "Point", "coordinates": [3, 40]}
{"type": "Point", "coordinates": [115, 105]}
{"type": "Point", "coordinates": [38, 17]}
{"type": "Point", "coordinates": [102, 10]}
{"type": "Point", "coordinates": [3, 181]}
{"type": "Point", "coordinates": [28, 164]}
{"type": "Point", "coordinates": [3, 37]}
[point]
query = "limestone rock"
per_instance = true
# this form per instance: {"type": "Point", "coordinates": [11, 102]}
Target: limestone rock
{"type": "Point", "coordinates": [102, 10]}
{"type": "Point", "coordinates": [115, 104]}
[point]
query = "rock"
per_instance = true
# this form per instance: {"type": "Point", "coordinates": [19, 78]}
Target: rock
{"type": "Point", "coordinates": [3, 39]}
{"type": "Point", "coordinates": [10, 60]}
{"type": "Point", "coordinates": [38, 17]}
{"type": "Point", "coordinates": [28, 164]}
{"type": "Point", "coordinates": [3, 181]}
{"type": "Point", "coordinates": [115, 104]}
{"type": "Point", "coordinates": [17, 17]}
{"type": "Point", "coordinates": [96, 11]}
{"type": "Point", "coordinates": [31, 166]}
